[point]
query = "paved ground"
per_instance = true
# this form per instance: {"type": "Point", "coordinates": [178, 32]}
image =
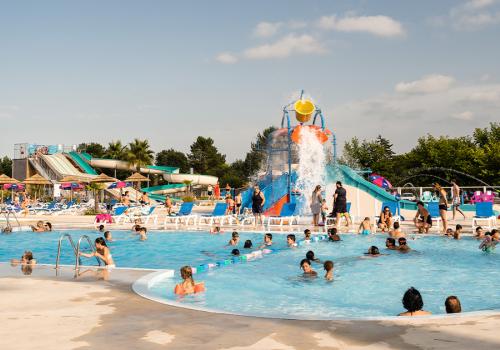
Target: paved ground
{"type": "Point", "coordinates": [42, 311]}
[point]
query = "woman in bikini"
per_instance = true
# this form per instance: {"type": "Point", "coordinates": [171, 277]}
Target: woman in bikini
{"type": "Point", "coordinates": [102, 252]}
{"type": "Point", "coordinates": [188, 286]}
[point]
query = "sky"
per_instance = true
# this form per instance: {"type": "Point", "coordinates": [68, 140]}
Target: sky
{"type": "Point", "coordinates": [169, 71]}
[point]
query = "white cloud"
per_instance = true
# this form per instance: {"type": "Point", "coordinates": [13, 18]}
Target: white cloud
{"type": "Point", "coordinates": [383, 26]}
{"type": "Point", "coordinates": [286, 46]}
{"type": "Point", "coordinates": [474, 14]}
{"type": "Point", "coordinates": [266, 29]}
{"type": "Point", "coordinates": [427, 85]}
{"type": "Point", "coordinates": [478, 4]}
{"type": "Point", "coordinates": [466, 115]}
{"type": "Point", "coordinates": [296, 24]}
{"type": "Point", "coordinates": [226, 58]}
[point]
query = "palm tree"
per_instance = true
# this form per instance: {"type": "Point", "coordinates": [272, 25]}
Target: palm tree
{"type": "Point", "coordinates": [139, 154]}
{"type": "Point", "coordinates": [116, 150]}
{"type": "Point", "coordinates": [95, 188]}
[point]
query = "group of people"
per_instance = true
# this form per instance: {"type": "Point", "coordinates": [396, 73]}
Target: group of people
{"type": "Point", "coordinates": [414, 304]}
{"type": "Point", "coordinates": [42, 226]}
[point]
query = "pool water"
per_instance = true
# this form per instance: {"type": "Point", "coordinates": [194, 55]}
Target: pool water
{"type": "Point", "coordinates": [272, 286]}
{"type": "Point", "coordinates": [161, 250]}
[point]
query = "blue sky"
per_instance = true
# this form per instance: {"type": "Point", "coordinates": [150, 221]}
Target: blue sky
{"type": "Point", "coordinates": [169, 71]}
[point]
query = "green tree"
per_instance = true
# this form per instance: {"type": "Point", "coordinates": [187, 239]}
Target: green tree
{"type": "Point", "coordinates": [139, 154]}
{"type": "Point", "coordinates": [116, 150]}
{"type": "Point", "coordinates": [96, 150]}
{"type": "Point", "coordinates": [6, 166]}
{"type": "Point", "coordinates": [257, 154]}
{"type": "Point", "coordinates": [171, 157]}
{"type": "Point", "coordinates": [376, 155]}
{"type": "Point", "coordinates": [205, 157]}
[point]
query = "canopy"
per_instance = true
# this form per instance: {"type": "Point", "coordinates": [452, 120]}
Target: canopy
{"type": "Point", "coordinates": [102, 178]}
{"type": "Point", "coordinates": [37, 180]}
{"type": "Point", "coordinates": [137, 177]}
{"type": "Point", "coordinates": [71, 186]}
{"type": "Point", "coordinates": [13, 187]}
{"type": "Point", "coordinates": [4, 179]}
{"type": "Point", "coordinates": [74, 178]}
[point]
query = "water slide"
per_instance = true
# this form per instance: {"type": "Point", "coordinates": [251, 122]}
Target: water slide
{"type": "Point", "coordinates": [77, 158]}
{"type": "Point", "coordinates": [169, 174]}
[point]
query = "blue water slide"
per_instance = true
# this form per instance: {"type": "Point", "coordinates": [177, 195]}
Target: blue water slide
{"type": "Point", "coordinates": [273, 190]}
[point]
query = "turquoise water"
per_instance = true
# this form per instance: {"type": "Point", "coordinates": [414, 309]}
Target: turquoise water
{"type": "Point", "coordinates": [273, 286]}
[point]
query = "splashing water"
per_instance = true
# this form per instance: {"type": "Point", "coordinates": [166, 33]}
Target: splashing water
{"type": "Point", "coordinates": [311, 169]}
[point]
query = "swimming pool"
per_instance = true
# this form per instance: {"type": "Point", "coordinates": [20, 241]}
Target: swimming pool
{"type": "Point", "coordinates": [272, 286]}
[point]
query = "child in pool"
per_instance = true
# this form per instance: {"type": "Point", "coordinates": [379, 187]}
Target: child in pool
{"type": "Point", "coordinates": [290, 241]}
{"type": "Point", "coordinates": [310, 256]}
{"type": "Point", "coordinates": [396, 232]}
{"type": "Point", "coordinates": [479, 233]}
{"type": "Point", "coordinates": [188, 286]}
{"type": "Point", "coordinates": [307, 235]}
{"type": "Point", "coordinates": [403, 247]}
{"type": "Point", "coordinates": [235, 252]}
{"type": "Point", "coordinates": [215, 230]}
{"type": "Point", "coordinates": [332, 235]}
{"type": "Point", "coordinates": [390, 243]}
{"type": "Point", "coordinates": [458, 232]}
{"type": "Point", "coordinates": [235, 239]}
{"type": "Point", "coordinates": [108, 236]}
{"type": "Point", "coordinates": [328, 266]}
{"type": "Point", "coordinates": [365, 228]}
{"type": "Point", "coordinates": [268, 241]}
{"type": "Point", "coordinates": [305, 265]}
{"type": "Point", "coordinates": [142, 234]}
{"type": "Point", "coordinates": [248, 244]}
{"type": "Point", "coordinates": [39, 227]}
{"type": "Point", "coordinates": [26, 259]}
{"type": "Point", "coordinates": [490, 241]}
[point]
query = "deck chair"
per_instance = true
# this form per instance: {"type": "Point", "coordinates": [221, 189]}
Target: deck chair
{"type": "Point", "coordinates": [484, 212]}
{"type": "Point", "coordinates": [427, 196]}
{"type": "Point", "coordinates": [287, 214]}
{"type": "Point", "coordinates": [433, 208]}
{"type": "Point", "coordinates": [183, 216]}
{"type": "Point", "coordinates": [477, 197]}
{"type": "Point", "coordinates": [218, 216]}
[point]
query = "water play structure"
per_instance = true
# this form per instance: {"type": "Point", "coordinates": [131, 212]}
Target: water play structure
{"type": "Point", "coordinates": [57, 161]}
{"type": "Point", "coordinates": [301, 154]}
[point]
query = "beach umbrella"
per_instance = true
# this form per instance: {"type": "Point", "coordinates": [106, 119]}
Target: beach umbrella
{"type": "Point", "coordinates": [119, 184]}
{"type": "Point", "coordinates": [100, 179]}
{"type": "Point", "coordinates": [6, 180]}
{"type": "Point", "coordinates": [13, 187]}
{"type": "Point", "coordinates": [137, 178]}
{"type": "Point", "coordinates": [71, 186]}
{"type": "Point", "coordinates": [75, 178]}
{"type": "Point", "coordinates": [37, 180]}
{"type": "Point", "coordinates": [380, 181]}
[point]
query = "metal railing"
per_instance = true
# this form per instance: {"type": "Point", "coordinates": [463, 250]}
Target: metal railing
{"type": "Point", "coordinates": [70, 239]}
{"type": "Point", "coordinates": [77, 261]}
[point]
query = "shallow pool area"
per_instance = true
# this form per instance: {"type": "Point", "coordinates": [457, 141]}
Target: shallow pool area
{"type": "Point", "coordinates": [272, 285]}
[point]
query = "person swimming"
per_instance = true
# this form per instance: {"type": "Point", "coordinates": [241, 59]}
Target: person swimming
{"type": "Point", "coordinates": [102, 252]}
{"type": "Point", "coordinates": [268, 241]}
{"type": "Point", "coordinates": [328, 266]}
{"type": "Point", "coordinates": [413, 303]}
{"type": "Point", "coordinates": [332, 235]}
{"type": "Point", "coordinates": [479, 233]}
{"type": "Point", "coordinates": [403, 246]}
{"type": "Point", "coordinates": [390, 243]}
{"type": "Point", "coordinates": [235, 252]}
{"type": "Point", "coordinates": [307, 235]}
{"type": "Point", "coordinates": [489, 243]}
{"type": "Point", "coordinates": [365, 228]}
{"type": "Point", "coordinates": [26, 259]}
{"type": "Point", "coordinates": [39, 227]}
{"type": "Point", "coordinates": [215, 230]}
{"type": "Point", "coordinates": [373, 251]}
{"type": "Point", "coordinates": [452, 305]}
{"type": "Point", "coordinates": [290, 241]}
{"type": "Point", "coordinates": [235, 239]}
{"type": "Point", "coordinates": [248, 244]}
{"type": "Point", "coordinates": [310, 256]}
{"type": "Point", "coordinates": [458, 232]}
{"type": "Point", "coordinates": [143, 233]}
{"type": "Point", "coordinates": [305, 265]}
{"type": "Point", "coordinates": [101, 228]}
{"type": "Point", "coordinates": [188, 285]}
{"type": "Point", "coordinates": [396, 232]}
{"type": "Point", "coordinates": [108, 237]}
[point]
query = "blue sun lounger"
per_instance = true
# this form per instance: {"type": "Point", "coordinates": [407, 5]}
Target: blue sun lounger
{"type": "Point", "coordinates": [183, 216]}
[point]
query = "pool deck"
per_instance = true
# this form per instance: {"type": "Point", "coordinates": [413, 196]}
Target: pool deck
{"type": "Point", "coordinates": [48, 312]}
{"type": "Point", "coordinates": [99, 310]}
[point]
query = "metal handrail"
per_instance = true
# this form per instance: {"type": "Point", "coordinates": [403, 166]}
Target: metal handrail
{"type": "Point", "coordinates": [70, 239]}
{"type": "Point", "coordinates": [77, 252]}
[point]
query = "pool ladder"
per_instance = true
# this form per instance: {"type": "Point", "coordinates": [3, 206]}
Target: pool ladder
{"type": "Point", "coordinates": [76, 249]}
{"type": "Point", "coordinates": [7, 214]}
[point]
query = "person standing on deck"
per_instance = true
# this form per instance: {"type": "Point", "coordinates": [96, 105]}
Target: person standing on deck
{"type": "Point", "coordinates": [340, 205]}
{"type": "Point", "coordinates": [258, 201]}
{"type": "Point", "coordinates": [456, 200]}
{"type": "Point", "coordinates": [443, 205]}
